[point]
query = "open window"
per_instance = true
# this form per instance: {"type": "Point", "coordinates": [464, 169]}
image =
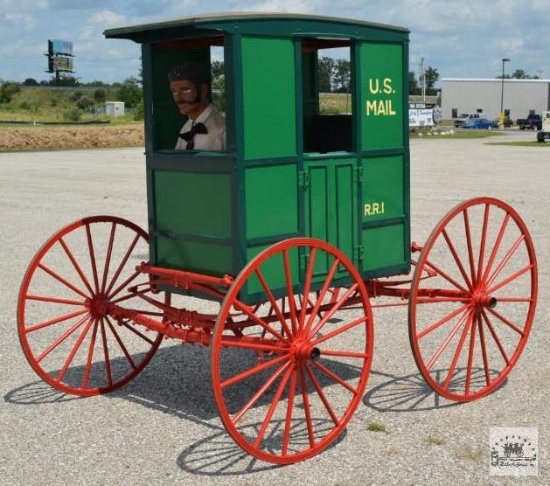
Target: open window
{"type": "Point", "coordinates": [327, 104]}
{"type": "Point", "coordinates": [165, 116]}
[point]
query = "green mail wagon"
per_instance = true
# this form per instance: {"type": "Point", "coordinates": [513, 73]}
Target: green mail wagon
{"type": "Point", "coordinates": [287, 227]}
{"type": "Point", "coordinates": [289, 170]}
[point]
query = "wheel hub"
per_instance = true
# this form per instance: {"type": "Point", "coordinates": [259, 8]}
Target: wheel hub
{"type": "Point", "coordinates": [305, 351]}
{"type": "Point", "coordinates": [483, 300]}
{"type": "Point", "coordinates": [99, 305]}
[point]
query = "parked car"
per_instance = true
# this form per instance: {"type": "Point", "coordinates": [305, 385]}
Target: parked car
{"type": "Point", "coordinates": [465, 117]}
{"type": "Point", "coordinates": [481, 123]}
{"type": "Point", "coordinates": [532, 122]}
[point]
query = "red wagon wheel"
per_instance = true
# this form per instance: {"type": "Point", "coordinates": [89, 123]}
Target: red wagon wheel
{"type": "Point", "coordinates": [478, 273]}
{"type": "Point", "coordinates": [289, 374]}
{"type": "Point", "coordinates": [64, 326]}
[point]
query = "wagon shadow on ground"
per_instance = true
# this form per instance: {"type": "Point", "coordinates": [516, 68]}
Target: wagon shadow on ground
{"type": "Point", "coordinates": [177, 382]}
{"type": "Point", "coordinates": [411, 393]}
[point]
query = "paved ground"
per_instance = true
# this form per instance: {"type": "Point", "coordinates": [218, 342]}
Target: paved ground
{"type": "Point", "coordinates": [162, 428]}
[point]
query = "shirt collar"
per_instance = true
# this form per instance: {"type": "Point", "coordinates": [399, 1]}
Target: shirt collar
{"type": "Point", "coordinates": [205, 114]}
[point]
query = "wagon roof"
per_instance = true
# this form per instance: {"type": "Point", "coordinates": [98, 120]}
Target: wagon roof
{"type": "Point", "coordinates": [288, 23]}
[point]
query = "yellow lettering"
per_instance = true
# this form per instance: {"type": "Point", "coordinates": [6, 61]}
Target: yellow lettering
{"type": "Point", "coordinates": [374, 86]}
{"type": "Point", "coordinates": [371, 107]}
{"type": "Point", "coordinates": [380, 108]}
{"type": "Point", "coordinates": [374, 209]}
{"type": "Point", "coordinates": [387, 86]}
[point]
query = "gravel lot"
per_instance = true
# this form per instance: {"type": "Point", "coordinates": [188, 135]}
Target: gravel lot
{"type": "Point", "coordinates": [163, 428]}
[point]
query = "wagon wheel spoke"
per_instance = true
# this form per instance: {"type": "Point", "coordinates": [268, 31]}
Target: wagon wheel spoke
{"type": "Point", "coordinates": [465, 346]}
{"type": "Point", "coordinates": [64, 322]}
{"type": "Point", "coordinates": [279, 395]}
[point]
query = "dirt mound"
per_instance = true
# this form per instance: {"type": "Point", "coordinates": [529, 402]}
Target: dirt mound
{"type": "Point", "coordinates": [69, 137]}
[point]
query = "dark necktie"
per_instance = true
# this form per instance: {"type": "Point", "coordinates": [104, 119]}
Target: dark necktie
{"type": "Point", "coordinates": [189, 136]}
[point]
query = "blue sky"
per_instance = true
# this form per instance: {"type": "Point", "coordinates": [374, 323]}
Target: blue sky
{"type": "Point", "coordinates": [460, 38]}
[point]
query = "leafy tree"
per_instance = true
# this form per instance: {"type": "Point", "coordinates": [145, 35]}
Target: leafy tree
{"type": "Point", "coordinates": [217, 69]}
{"type": "Point", "coordinates": [518, 74]}
{"type": "Point", "coordinates": [76, 96]}
{"type": "Point", "coordinates": [326, 71]}
{"type": "Point", "coordinates": [139, 111]}
{"type": "Point", "coordinates": [413, 84]}
{"type": "Point", "coordinates": [65, 80]}
{"type": "Point", "coordinates": [7, 90]}
{"type": "Point", "coordinates": [84, 103]}
{"type": "Point", "coordinates": [431, 76]}
{"type": "Point", "coordinates": [130, 92]}
{"type": "Point", "coordinates": [97, 84]}
{"type": "Point", "coordinates": [100, 96]}
{"type": "Point", "coordinates": [341, 77]}
{"type": "Point", "coordinates": [30, 82]}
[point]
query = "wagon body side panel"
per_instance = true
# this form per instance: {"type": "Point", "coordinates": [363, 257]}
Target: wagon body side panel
{"type": "Point", "coordinates": [384, 158]}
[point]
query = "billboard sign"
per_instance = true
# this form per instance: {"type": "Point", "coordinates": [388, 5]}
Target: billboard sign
{"type": "Point", "coordinates": [60, 47]}
{"type": "Point", "coordinates": [63, 63]}
{"type": "Point", "coordinates": [421, 117]}
{"type": "Point", "coordinates": [60, 56]}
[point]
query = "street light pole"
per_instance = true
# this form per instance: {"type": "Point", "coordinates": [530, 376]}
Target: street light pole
{"type": "Point", "coordinates": [505, 60]}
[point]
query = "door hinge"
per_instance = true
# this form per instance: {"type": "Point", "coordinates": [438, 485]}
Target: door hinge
{"type": "Point", "coordinates": [358, 174]}
{"type": "Point", "coordinates": [304, 261]}
{"type": "Point", "coordinates": [303, 179]}
{"type": "Point", "coordinates": [358, 253]}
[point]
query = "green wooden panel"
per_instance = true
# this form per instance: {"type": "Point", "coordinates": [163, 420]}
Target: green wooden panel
{"type": "Point", "coordinates": [382, 96]}
{"type": "Point", "coordinates": [269, 97]}
{"type": "Point", "coordinates": [383, 247]}
{"type": "Point", "coordinates": [345, 207]}
{"type": "Point", "coordinates": [331, 204]}
{"type": "Point", "coordinates": [193, 203]}
{"type": "Point", "coordinates": [271, 200]}
{"type": "Point", "coordinates": [273, 273]}
{"type": "Point", "coordinates": [193, 256]}
{"type": "Point", "coordinates": [383, 188]}
{"type": "Point", "coordinates": [317, 202]}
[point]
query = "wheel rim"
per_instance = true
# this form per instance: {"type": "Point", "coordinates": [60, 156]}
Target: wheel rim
{"type": "Point", "coordinates": [64, 325]}
{"type": "Point", "coordinates": [288, 374]}
{"type": "Point", "coordinates": [482, 291]}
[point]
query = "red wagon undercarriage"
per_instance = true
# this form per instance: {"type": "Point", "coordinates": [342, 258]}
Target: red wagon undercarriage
{"type": "Point", "coordinates": [288, 372]}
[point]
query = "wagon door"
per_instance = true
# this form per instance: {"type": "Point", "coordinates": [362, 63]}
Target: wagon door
{"type": "Point", "coordinates": [330, 202]}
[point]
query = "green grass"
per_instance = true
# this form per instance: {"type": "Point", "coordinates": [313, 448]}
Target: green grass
{"type": "Point", "coordinates": [434, 440]}
{"type": "Point", "coordinates": [523, 144]}
{"type": "Point", "coordinates": [376, 427]}
{"type": "Point", "coordinates": [469, 453]}
{"type": "Point", "coordinates": [42, 104]}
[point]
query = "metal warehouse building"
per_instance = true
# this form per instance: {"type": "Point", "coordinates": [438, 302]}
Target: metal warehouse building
{"type": "Point", "coordinates": [519, 96]}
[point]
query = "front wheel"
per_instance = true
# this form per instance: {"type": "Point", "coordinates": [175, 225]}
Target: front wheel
{"type": "Point", "coordinates": [289, 371]}
{"type": "Point", "coordinates": [470, 319]}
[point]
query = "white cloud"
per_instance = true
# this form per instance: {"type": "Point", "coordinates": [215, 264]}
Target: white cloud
{"type": "Point", "coordinates": [106, 18]}
{"type": "Point", "coordinates": [19, 21]}
{"type": "Point", "coordinates": [298, 6]}
{"type": "Point", "coordinates": [461, 38]}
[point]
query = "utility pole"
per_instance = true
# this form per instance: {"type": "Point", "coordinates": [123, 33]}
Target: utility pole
{"type": "Point", "coordinates": [423, 80]}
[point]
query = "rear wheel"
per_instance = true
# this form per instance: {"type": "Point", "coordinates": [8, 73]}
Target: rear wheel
{"type": "Point", "coordinates": [289, 373]}
{"type": "Point", "coordinates": [470, 320]}
{"type": "Point", "coordinates": [64, 326]}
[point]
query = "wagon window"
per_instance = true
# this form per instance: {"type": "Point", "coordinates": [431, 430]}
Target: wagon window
{"type": "Point", "coordinates": [328, 104]}
{"type": "Point", "coordinates": [187, 75]}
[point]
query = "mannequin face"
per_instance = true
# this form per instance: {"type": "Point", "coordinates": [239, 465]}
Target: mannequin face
{"type": "Point", "coordinates": [187, 97]}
